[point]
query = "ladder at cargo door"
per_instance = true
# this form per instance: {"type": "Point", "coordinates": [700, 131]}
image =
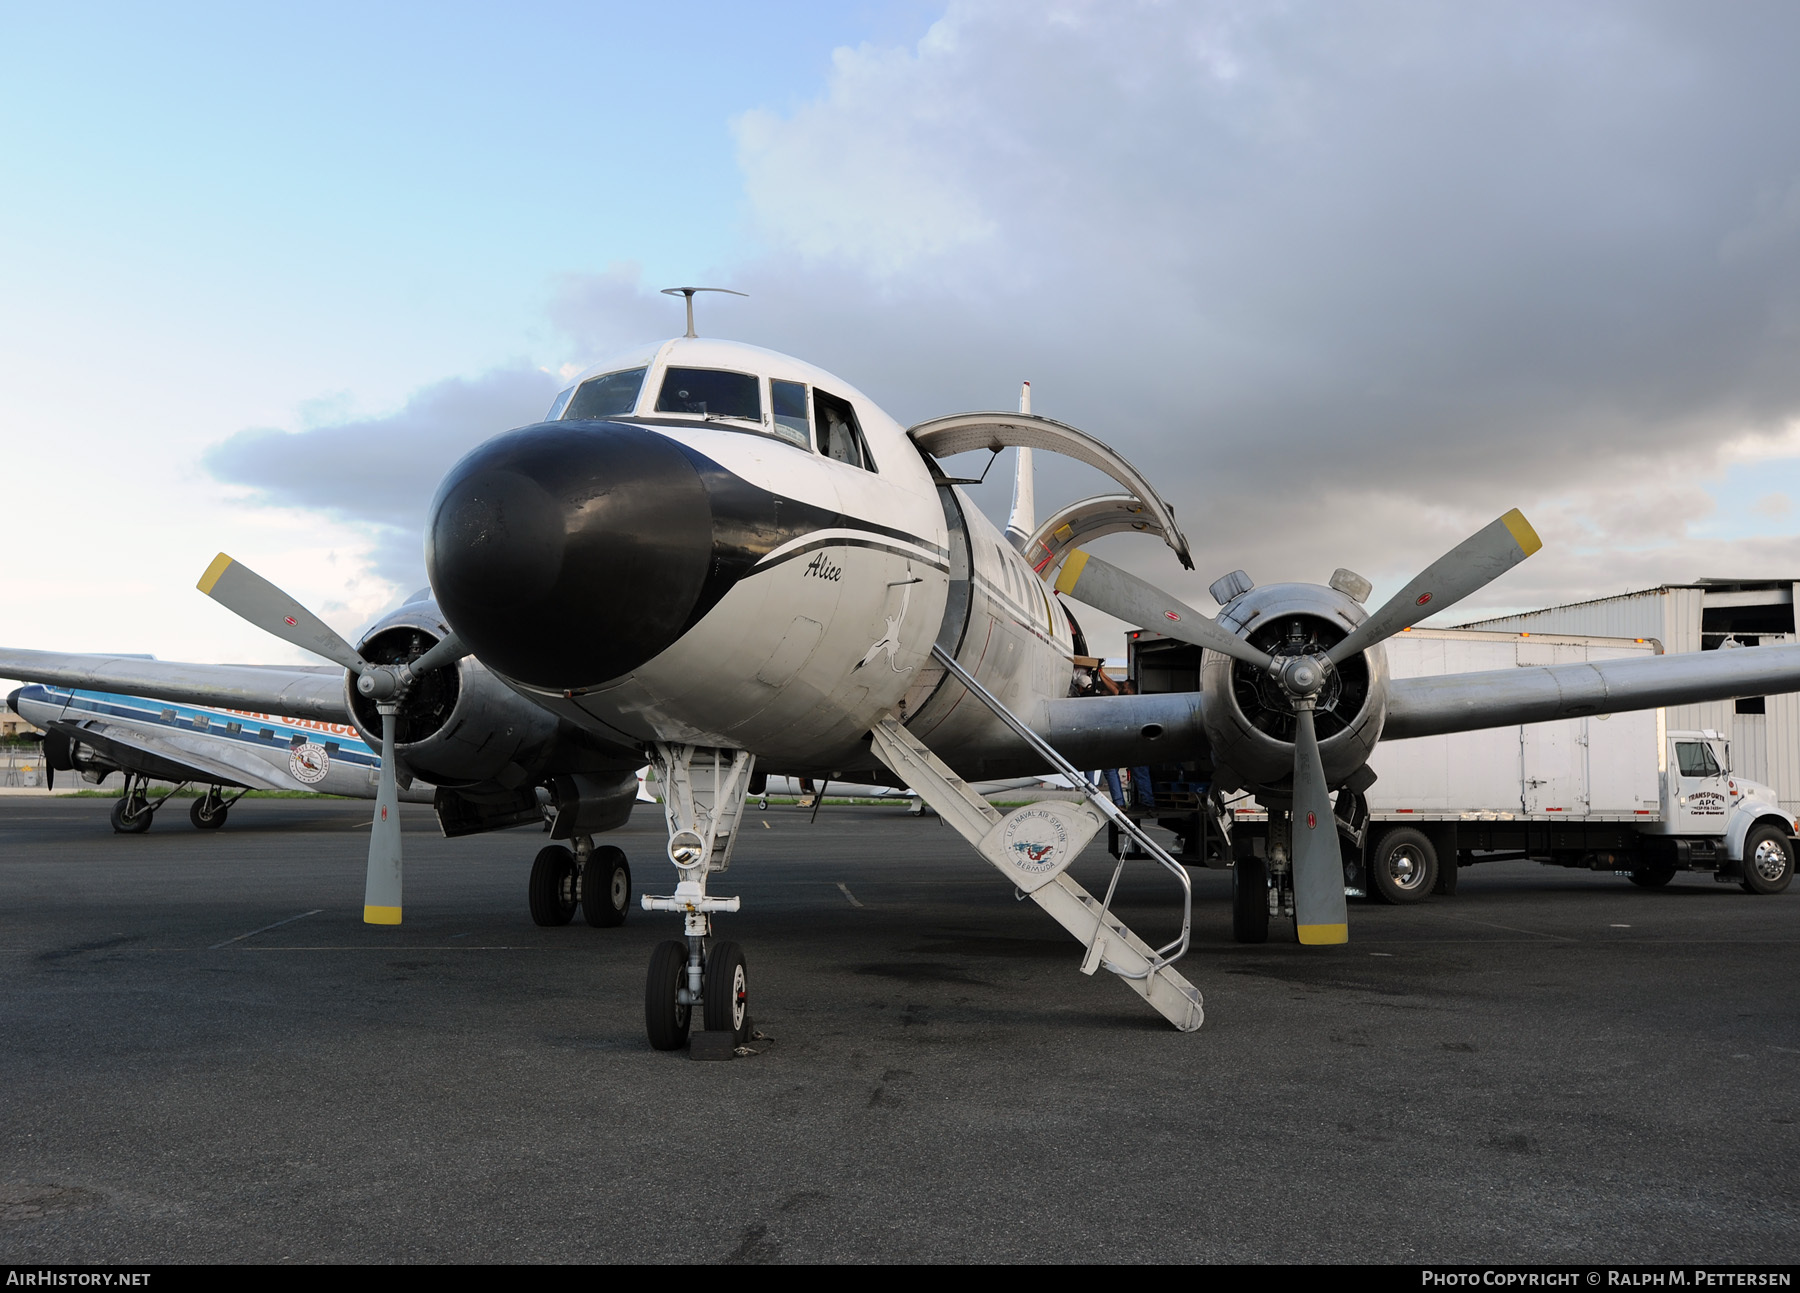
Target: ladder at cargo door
{"type": "Point", "coordinates": [1148, 971]}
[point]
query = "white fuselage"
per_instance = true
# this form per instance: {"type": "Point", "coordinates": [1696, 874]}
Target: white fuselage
{"type": "Point", "coordinates": [833, 627]}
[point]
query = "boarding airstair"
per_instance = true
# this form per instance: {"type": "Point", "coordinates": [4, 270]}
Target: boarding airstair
{"type": "Point", "coordinates": [1033, 847]}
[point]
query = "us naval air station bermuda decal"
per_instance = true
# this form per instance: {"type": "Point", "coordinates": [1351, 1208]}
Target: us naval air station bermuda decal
{"type": "Point", "coordinates": [309, 763]}
{"type": "Point", "coordinates": [1036, 840]}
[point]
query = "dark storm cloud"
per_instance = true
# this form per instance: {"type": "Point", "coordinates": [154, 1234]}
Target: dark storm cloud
{"type": "Point", "coordinates": [380, 472]}
{"type": "Point", "coordinates": [1348, 279]}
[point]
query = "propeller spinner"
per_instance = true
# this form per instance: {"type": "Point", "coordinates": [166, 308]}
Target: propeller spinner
{"type": "Point", "coordinates": [251, 597]}
{"type": "Point", "coordinates": [1320, 911]}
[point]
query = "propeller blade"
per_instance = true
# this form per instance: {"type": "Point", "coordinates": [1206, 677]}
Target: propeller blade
{"type": "Point", "coordinates": [1471, 565]}
{"type": "Point", "coordinates": [1107, 588]}
{"type": "Point", "coordinates": [447, 651]}
{"type": "Point", "coordinates": [1319, 907]}
{"type": "Point", "coordinates": [245, 593]}
{"type": "Point", "coordinates": [381, 890]}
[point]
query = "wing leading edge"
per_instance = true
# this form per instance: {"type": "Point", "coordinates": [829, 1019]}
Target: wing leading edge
{"type": "Point", "coordinates": [295, 692]}
{"type": "Point", "coordinates": [1464, 702]}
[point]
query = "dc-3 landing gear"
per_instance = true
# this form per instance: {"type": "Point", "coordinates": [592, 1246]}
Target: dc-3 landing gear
{"type": "Point", "coordinates": [595, 880]}
{"type": "Point", "coordinates": [208, 812]}
{"type": "Point", "coordinates": [135, 809]}
{"type": "Point", "coordinates": [703, 800]}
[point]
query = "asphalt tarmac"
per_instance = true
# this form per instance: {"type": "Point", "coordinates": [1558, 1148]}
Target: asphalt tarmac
{"type": "Point", "coordinates": [1552, 1066]}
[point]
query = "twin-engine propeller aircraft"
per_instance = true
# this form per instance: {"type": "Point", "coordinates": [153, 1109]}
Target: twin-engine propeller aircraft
{"type": "Point", "coordinates": [731, 563]}
{"type": "Point", "coordinates": [228, 751]}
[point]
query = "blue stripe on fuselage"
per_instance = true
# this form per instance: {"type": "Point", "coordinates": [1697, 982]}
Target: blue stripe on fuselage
{"type": "Point", "coordinates": [251, 727]}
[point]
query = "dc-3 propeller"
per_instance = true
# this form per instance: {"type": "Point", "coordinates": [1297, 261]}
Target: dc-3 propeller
{"type": "Point", "coordinates": [1319, 908]}
{"type": "Point", "coordinates": [248, 595]}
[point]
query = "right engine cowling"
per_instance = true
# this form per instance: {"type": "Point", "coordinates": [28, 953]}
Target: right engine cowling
{"type": "Point", "coordinates": [1249, 721]}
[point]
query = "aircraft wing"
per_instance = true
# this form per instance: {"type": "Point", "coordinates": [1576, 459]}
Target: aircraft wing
{"type": "Point", "coordinates": [296, 692]}
{"type": "Point", "coordinates": [1501, 698]}
{"type": "Point", "coordinates": [152, 758]}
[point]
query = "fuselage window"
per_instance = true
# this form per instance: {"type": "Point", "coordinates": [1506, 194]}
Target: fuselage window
{"type": "Point", "coordinates": [610, 395]}
{"type": "Point", "coordinates": [562, 402]}
{"type": "Point", "coordinates": [789, 399]}
{"type": "Point", "coordinates": [839, 435]}
{"type": "Point", "coordinates": [711, 392]}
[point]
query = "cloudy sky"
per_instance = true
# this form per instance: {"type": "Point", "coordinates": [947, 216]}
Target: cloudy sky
{"type": "Point", "coordinates": [1346, 279]}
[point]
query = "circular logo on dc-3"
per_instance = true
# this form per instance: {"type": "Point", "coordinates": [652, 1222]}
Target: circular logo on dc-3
{"type": "Point", "coordinates": [1037, 840]}
{"type": "Point", "coordinates": [309, 763]}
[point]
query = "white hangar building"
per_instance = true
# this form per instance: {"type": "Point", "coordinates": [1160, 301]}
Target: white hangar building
{"type": "Point", "coordinates": [1708, 615]}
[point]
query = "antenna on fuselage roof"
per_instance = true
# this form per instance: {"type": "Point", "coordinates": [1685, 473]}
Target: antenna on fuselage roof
{"type": "Point", "coordinates": [688, 292]}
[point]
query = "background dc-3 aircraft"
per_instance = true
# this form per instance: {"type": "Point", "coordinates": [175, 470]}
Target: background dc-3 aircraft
{"type": "Point", "coordinates": [97, 733]}
{"type": "Point", "coordinates": [725, 560]}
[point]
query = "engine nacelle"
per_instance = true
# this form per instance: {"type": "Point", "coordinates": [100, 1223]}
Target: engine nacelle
{"type": "Point", "coordinates": [1248, 718]}
{"type": "Point", "coordinates": [458, 725]}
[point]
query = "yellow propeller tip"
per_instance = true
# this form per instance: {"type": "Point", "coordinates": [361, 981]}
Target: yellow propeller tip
{"type": "Point", "coordinates": [219, 565]}
{"type": "Point", "coordinates": [381, 915]}
{"type": "Point", "coordinates": [1071, 572]}
{"type": "Point", "coordinates": [1324, 935]}
{"type": "Point", "coordinates": [1521, 531]}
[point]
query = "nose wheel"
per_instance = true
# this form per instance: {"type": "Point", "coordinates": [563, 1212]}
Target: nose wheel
{"type": "Point", "coordinates": [704, 792]}
{"type": "Point", "coordinates": [723, 997]}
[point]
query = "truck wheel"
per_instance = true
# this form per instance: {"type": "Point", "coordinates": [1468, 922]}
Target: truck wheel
{"type": "Point", "coordinates": [1768, 860]}
{"type": "Point", "coordinates": [1650, 877]}
{"type": "Point", "coordinates": [1403, 867]}
{"type": "Point", "coordinates": [1250, 901]}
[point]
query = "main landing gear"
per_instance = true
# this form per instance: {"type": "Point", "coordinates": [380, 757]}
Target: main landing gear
{"type": "Point", "coordinates": [595, 880]}
{"type": "Point", "coordinates": [208, 812]}
{"type": "Point", "coordinates": [704, 792]}
{"type": "Point", "coordinates": [134, 809]}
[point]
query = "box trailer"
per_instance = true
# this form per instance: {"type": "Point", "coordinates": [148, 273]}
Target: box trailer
{"type": "Point", "coordinates": [1613, 792]}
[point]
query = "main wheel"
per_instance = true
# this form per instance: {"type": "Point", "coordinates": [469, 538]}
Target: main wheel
{"type": "Point", "coordinates": [1654, 876]}
{"type": "Point", "coordinates": [1403, 867]}
{"type": "Point", "coordinates": [1768, 860]}
{"type": "Point", "coordinates": [1250, 901]}
{"type": "Point", "coordinates": [204, 820]}
{"type": "Point", "coordinates": [606, 887]}
{"type": "Point", "coordinates": [131, 815]}
{"type": "Point", "coordinates": [665, 1018]}
{"type": "Point", "coordinates": [727, 992]}
{"type": "Point", "coordinates": [553, 886]}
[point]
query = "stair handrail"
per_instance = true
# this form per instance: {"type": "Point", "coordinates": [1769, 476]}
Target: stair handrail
{"type": "Point", "coordinates": [1176, 948]}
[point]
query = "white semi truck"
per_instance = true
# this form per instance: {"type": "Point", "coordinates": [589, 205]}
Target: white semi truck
{"type": "Point", "coordinates": [1618, 792]}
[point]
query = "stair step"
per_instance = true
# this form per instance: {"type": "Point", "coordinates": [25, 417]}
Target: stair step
{"type": "Point", "coordinates": [1109, 942]}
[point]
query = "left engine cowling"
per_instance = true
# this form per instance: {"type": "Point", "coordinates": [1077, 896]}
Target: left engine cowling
{"type": "Point", "coordinates": [1248, 717]}
{"type": "Point", "coordinates": [459, 725]}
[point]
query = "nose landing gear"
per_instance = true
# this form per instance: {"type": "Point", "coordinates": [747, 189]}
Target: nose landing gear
{"type": "Point", "coordinates": [703, 813]}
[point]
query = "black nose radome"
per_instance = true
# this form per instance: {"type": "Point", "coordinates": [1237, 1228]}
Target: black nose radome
{"type": "Point", "coordinates": [568, 554]}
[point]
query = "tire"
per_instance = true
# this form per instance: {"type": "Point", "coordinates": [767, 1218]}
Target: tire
{"type": "Point", "coordinates": [665, 1019]}
{"type": "Point", "coordinates": [553, 886]}
{"type": "Point", "coordinates": [1403, 867]}
{"type": "Point", "coordinates": [134, 825]}
{"type": "Point", "coordinates": [606, 887]}
{"type": "Point", "coordinates": [1250, 901]}
{"type": "Point", "coordinates": [1768, 860]}
{"type": "Point", "coordinates": [1651, 877]}
{"type": "Point", "coordinates": [204, 822]}
{"type": "Point", "coordinates": [727, 992]}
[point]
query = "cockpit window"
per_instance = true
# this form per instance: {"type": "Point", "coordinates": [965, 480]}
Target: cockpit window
{"type": "Point", "coordinates": [791, 422]}
{"type": "Point", "coordinates": [562, 402]}
{"type": "Point", "coordinates": [610, 395]}
{"type": "Point", "coordinates": [839, 436]}
{"type": "Point", "coordinates": [711, 392]}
